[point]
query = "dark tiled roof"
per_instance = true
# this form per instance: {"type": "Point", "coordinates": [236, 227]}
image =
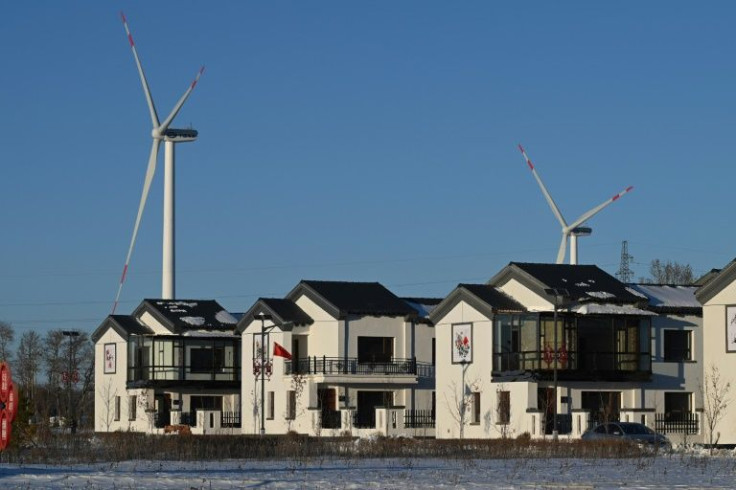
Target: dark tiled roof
{"type": "Point", "coordinates": [360, 298]}
{"type": "Point", "coordinates": [193, 314]}
{"type": "Point", "coordinates": [288, 311]}
{"type": "Point", "coordinates": [493, 297]}
{"type": "Point", "coordinates": [124, 325]}
{"type": "Point", "coordinates": [583, 282]}
{"type": "Point", "coordinates": [131, 325]}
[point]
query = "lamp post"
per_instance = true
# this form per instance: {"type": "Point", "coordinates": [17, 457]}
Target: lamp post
{"type": "Point", "coordinates": [559, 294]}
{"type": "Point", "coordinates": [263, 317]}
{"type": "Point", "coordinates": [70, 377]}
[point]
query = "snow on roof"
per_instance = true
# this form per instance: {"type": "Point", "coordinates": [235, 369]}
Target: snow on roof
{"type": "Point", "coordinates": [608, 309]}
{"type": "Point", "coordinates": [208, 333]}
{"type": "Point", "coordinates": [600, 294]}
{"type": "Point", "coordinates": [196, 321]}
{"type": "Point", "coordinates": [667, 296]}
{"type": "Point", "coordinates": [225, 317]}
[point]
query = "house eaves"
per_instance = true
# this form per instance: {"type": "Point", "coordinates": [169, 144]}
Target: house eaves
{"type": "Point", "coordinates": [715, 285]}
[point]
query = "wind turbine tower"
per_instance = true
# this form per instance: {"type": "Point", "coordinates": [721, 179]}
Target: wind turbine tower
{"type": "Point", "coordinates": [574, 229]}
{"type": "Point", "coordinates": [162, 131]}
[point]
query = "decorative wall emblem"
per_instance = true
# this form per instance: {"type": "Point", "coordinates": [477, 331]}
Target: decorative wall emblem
{"type": "Point", "coordinates": [110, 358]}
{"type": "Point", "coordinates": [462, 343]}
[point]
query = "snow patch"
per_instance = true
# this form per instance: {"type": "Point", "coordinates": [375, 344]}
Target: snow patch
{"type": "Point", "coordinates": [196, 321]}
{"type": "Point", "coordinates": [582, 285]}
{"type": "Point", "coordinates": [600, 294]}
{"type": "Point", "coordinates": [225, 317]}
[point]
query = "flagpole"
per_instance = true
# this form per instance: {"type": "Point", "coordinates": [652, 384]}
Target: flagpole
{"type": "Point", "coordinates": [263, 317]}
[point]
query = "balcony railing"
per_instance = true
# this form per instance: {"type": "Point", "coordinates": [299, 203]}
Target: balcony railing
{"type": "Point", "coordinates": [182, 373]}
{"type": "Point", "coordinates": [419, 419]}
{"type": "Point", "coordinates": [351, 366]}
{"type": "Point", "coordinates": [230, 419]}
{"type": "Point", "coordinates": [683, 423]}
{"type": "Point", "coordinates": [576, 365]}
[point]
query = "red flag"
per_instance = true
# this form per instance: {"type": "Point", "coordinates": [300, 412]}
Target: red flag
{"type": "Point", "coordinates": [280, 351]}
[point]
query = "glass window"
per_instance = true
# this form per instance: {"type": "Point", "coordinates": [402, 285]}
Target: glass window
{"type": "Point", "coordinates": [291, 405]}
{"type": "Point", "coordinates": [677, 345]}
{"type": "Point", "coordinates": [132, 406]}
{"type": "Point", "coordinates": [504, 407]}
{"type": "Point", "coordinates": [117, 408]}
{"type": "Point", "coordinates": [475, 403]}
{"type": "Point", "coordinates": [271, 406]}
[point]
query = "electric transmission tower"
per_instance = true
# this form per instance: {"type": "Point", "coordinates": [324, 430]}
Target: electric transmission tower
{"type": "Point", "coordinates": [625, 273]}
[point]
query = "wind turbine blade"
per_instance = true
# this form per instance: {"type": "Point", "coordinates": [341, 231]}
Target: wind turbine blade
{"type": "Point", "coordinates": [150, 172]}
{"type": "Point", "coordinates": [585, 217]}
{"type": "Point", "coordinates": [177, 107]}
{"type": "Point", "coordinates": [146, 90]}
{"type": "Point", "coordinates": [563, 248]}
{"type": "Point", "coordinates": [550, 201]}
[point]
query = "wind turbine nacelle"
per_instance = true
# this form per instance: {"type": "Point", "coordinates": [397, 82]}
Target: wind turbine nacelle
{"type": "Point", "coordinates": [180, 135]}
{"type": "Point", "coordinates": [581, 231]}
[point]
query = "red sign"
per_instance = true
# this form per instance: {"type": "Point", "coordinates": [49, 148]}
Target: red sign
{"type": "Point", "coordinates": [4, 430]}
{"type": "Point", "coordinates": [9, 404]}
{"type": "Point", "coordinates": [4, 381]}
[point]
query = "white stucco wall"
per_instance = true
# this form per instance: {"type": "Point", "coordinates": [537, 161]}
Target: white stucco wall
{"type": "Point", "coordinates": [715, 355]}
{"type": "Point", "coordinates": [110, 386]}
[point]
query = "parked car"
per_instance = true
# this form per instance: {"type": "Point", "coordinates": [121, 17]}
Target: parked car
{"type": "Point", "coordinates": [627, 431]}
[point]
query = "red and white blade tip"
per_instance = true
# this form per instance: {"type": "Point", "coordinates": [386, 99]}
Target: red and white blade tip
{"type": "Point", "coordinates": [628, 189]}
{"type": "Point", "coordinates": [122, 16]}
{"type": "Point", "coordinates": [196, 79]}
{"type": "Point", "coordinates": [528, 161]}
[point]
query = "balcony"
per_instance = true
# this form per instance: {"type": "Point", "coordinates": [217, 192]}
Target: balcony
{"type": "Point", "coordinates": [169, 375]}
{"type": "Point", "coordinates": [576, 365]}
{"type": "Point", "coordinates": [341, 366]}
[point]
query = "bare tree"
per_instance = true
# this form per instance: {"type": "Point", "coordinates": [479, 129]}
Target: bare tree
{"type": "Point", "coordinates": [108, 395]}
{"type": "Point", "coordinates": [461, 400]}
{"type": "Point", "coordinates": [27, 367]}
{"type": "Point", "coordinates": [7, 335]}
{"type": "Point", "coordinates": [670, 273]}
{"type": "Point", "coordinates": [715, 393]}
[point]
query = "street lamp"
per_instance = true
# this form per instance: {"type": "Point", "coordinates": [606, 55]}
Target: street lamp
{"type": "Point", "coordinates": [263, 317]}
{"type": "Point", "coordinates": [70, 377]}
{"type": "Point", "coordinates": [560, 294]}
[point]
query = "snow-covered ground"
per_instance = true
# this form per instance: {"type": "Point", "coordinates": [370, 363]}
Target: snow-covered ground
{"type": "Point", "coordinates": [677, 470]}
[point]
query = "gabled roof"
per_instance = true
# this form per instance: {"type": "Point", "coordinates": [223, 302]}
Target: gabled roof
{"type": "Point", "coordinates": [124, 325]}
{"type": "Point", "coordinates": [717, 283]}
{"type": "Point", "coordinates": [341, 298]}
{"type": "Point", "coordinates": [284, 313]}
{"type": "Point", "coordinates": [182, 315]}
{"type": "Point", "coordinates": [584, 283]}
{"type": "Point", "coordinates": [669, 298]}
{"type": "Point", "coordinates": [485, 298]}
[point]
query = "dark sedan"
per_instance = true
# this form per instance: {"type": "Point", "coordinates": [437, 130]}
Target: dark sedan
{"type": "Point", "coordinates": [626, 431]}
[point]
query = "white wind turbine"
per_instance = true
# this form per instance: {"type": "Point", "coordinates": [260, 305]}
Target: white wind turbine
{"type": "Point", "coordinates": [574, 229]}
{"type": "Point", "coordinates": [170, 136]}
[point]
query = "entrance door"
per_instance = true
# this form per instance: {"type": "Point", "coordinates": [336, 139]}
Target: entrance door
{"type": "Point", "coordinates": [327, 399]}
{"type": "Point", "coordinates": [163, 409]}
{"type": "Point", "coordinates": [545, 403]}
{"type": "Point", "coordinates": [604, 406]}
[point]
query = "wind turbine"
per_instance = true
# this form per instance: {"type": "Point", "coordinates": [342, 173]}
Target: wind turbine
{"type": "Point", "coordinates": [574, 229]}
{"type": "Point", "coordinates": [170, 136]}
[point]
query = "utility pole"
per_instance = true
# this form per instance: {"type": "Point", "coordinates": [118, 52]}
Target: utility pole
{"type": "Point", "coordinates": [70, 378]}
{"type": "Point", "coordinates": [263, 317]}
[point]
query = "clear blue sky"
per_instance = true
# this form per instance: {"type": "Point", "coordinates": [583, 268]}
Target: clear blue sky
{"type": "Point", "coordinates": [367, 141]}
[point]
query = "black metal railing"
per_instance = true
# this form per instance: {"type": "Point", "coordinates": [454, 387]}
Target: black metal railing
{"type": "Point", "coordinates": [331, 419]}
{"type": "Point", "coordinates": [182, 373]}
{"type": "Point", "coordinates": [161, 419]}
{"type": "Point", "coordinates": [574, 362]}
{"type": "Point", "coordinates": [365, 419]}
{"type": "Point", "coordinates": [353, 366]}
{"type": "Point", "coordinates": [230, 419]}
{"type": "Point", "coordinates": [418, 419]}
{"type": "Point", "coordinates": [680, 423]}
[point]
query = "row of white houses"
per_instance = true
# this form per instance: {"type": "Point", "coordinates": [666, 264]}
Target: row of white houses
{"type": "Point", "coordinates": [538, 349]}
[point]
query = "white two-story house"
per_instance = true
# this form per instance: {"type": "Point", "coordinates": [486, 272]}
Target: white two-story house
{"type": "Point", "coordinates": [171, 363]}
{"type": "Point", "coordinates": [361, 362]}
{"type": "Point", "coordinates": [541, 348]}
